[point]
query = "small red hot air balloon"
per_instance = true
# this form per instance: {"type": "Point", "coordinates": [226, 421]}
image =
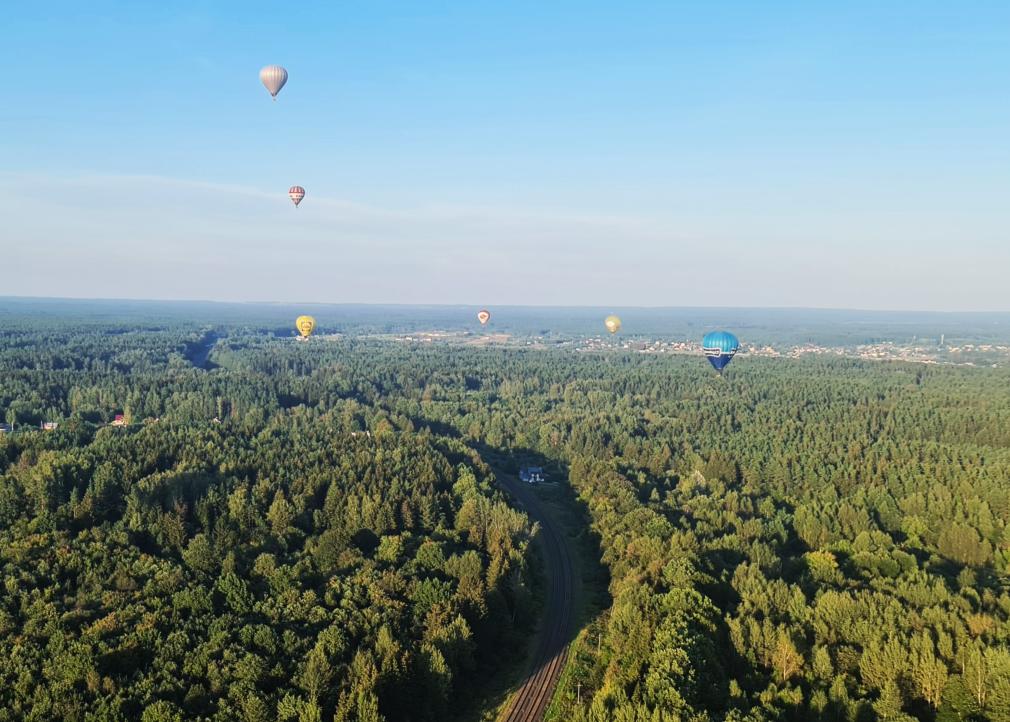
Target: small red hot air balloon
{"type": "Point", "coordinates": [296, 193]}
{"type": "Point", "coordinates": [483, 316]}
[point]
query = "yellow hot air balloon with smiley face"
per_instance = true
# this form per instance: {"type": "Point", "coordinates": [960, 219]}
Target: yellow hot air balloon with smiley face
{"type": "Point", "coordinates": [305, 326]}
{"type": "Point", "coordinates": [613, 324]}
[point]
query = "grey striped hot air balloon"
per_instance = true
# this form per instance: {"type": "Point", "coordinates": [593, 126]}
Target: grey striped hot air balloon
{"type": "Point", "coordinates": [273, 78]}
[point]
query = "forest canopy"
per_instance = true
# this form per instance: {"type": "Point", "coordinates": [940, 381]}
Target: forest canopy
{"type": "Point", "coordinates": [301, 531]}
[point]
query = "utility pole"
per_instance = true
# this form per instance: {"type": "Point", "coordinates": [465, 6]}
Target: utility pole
{"type": "Point", "coordinates": [578, 692]}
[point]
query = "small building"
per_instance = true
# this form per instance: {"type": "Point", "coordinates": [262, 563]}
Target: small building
{"type": "Point", "coordinates": [5, 428]}
{"type": "Point", "coordinates": [532, 474]}
{"type": "Point", "coordinates": [120, 420]}
{"type": "Point", "coordinates": [49, 426]}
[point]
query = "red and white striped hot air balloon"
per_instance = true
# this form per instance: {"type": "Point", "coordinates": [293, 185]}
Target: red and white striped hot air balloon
{"type": "Point", "coordinates": [273, 78]}
{"type": "Point", "coordinates": [296, 193]}
{"type": "Point", "coordinates": [483, 316]}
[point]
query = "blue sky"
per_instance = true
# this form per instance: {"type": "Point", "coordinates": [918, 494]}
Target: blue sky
{"type": "Point", "coordinates": [636, 153]}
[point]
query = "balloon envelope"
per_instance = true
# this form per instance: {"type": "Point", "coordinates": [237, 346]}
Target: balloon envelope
{"type": "Point", "coordinates": [296, 193]}
{"type": "Point", "coordinates": [273, 78]}
{"type": "Point", "coordinates": [613, 323]}
{"type": "Point", "coordinates": [720, 347]}
{"type": "Point", "coordinates": [305, 325]}
{"type": "Point", "coordinates": [483, 316]}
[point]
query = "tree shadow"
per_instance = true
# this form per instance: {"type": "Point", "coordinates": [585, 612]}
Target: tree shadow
{"type": "Point", "coordinates": [577, 580]}
{"type": "Point", "coordinates": [198, 352]}
{"type": "Point", "coordinates": [568, 545]}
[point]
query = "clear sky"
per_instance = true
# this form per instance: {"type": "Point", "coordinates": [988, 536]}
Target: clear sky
{"type": "Point", "coordinates": [849, 154]}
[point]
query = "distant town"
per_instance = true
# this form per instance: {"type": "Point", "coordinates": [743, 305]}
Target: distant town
{"type": "Point", "coordinates": [929, 351]}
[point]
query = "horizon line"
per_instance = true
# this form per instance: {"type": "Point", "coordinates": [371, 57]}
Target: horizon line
{"type": "Point", "coordinates": [105, 299]}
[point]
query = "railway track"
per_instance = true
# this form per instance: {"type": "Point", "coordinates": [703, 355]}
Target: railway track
{"type": "Point", "coordinates": [530, 701]}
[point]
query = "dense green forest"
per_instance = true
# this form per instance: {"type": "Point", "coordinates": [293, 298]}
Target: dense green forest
{"type": "Point", "coordinates": [274, 564]}
{"type": "Point", "coordinates": [305, 531]}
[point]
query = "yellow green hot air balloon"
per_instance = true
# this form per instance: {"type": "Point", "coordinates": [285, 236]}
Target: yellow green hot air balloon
{"type": "Point", "coordinates": [305, 324]}
{"type": "Point", "coordinates": [613, 323]}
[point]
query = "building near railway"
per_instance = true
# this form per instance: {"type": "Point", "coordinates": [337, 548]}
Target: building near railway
{"type": "Point", "coordinates": [532, 474]}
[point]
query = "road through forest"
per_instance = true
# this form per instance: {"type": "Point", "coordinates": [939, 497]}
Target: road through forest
{"type": "Point", "coordinates": [531, 700]}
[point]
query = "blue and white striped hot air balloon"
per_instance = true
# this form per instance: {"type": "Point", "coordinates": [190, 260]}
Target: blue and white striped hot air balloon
{"type": "Point", "coordinates": [720, 347]}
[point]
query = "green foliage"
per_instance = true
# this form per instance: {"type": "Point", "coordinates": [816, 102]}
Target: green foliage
{"type": "Point", "coordinates": [822, 539]}
{"type": "Point", "coordinates": [189, 569]}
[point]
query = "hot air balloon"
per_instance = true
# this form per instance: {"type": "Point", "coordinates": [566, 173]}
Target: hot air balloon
{"type": "Point", "coordinates": [720, 347]}
{"type": "Point", "coordinates": [296, 193]}
{"type": "Point", "coordinates": [305, 325]}
{"type": "Point", "coordinates": [273, 78]}
{"type": "Point", "coordinates": [483, 316]}
{"type": "Point", "coordinates": [613, 323]}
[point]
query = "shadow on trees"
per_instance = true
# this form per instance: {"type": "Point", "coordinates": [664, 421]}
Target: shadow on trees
{"type": "Point", "coordinates": [591, 578]}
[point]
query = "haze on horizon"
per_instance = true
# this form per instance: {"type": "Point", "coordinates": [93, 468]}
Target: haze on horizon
{"type": "Point", "coordinates": [582, 154]}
